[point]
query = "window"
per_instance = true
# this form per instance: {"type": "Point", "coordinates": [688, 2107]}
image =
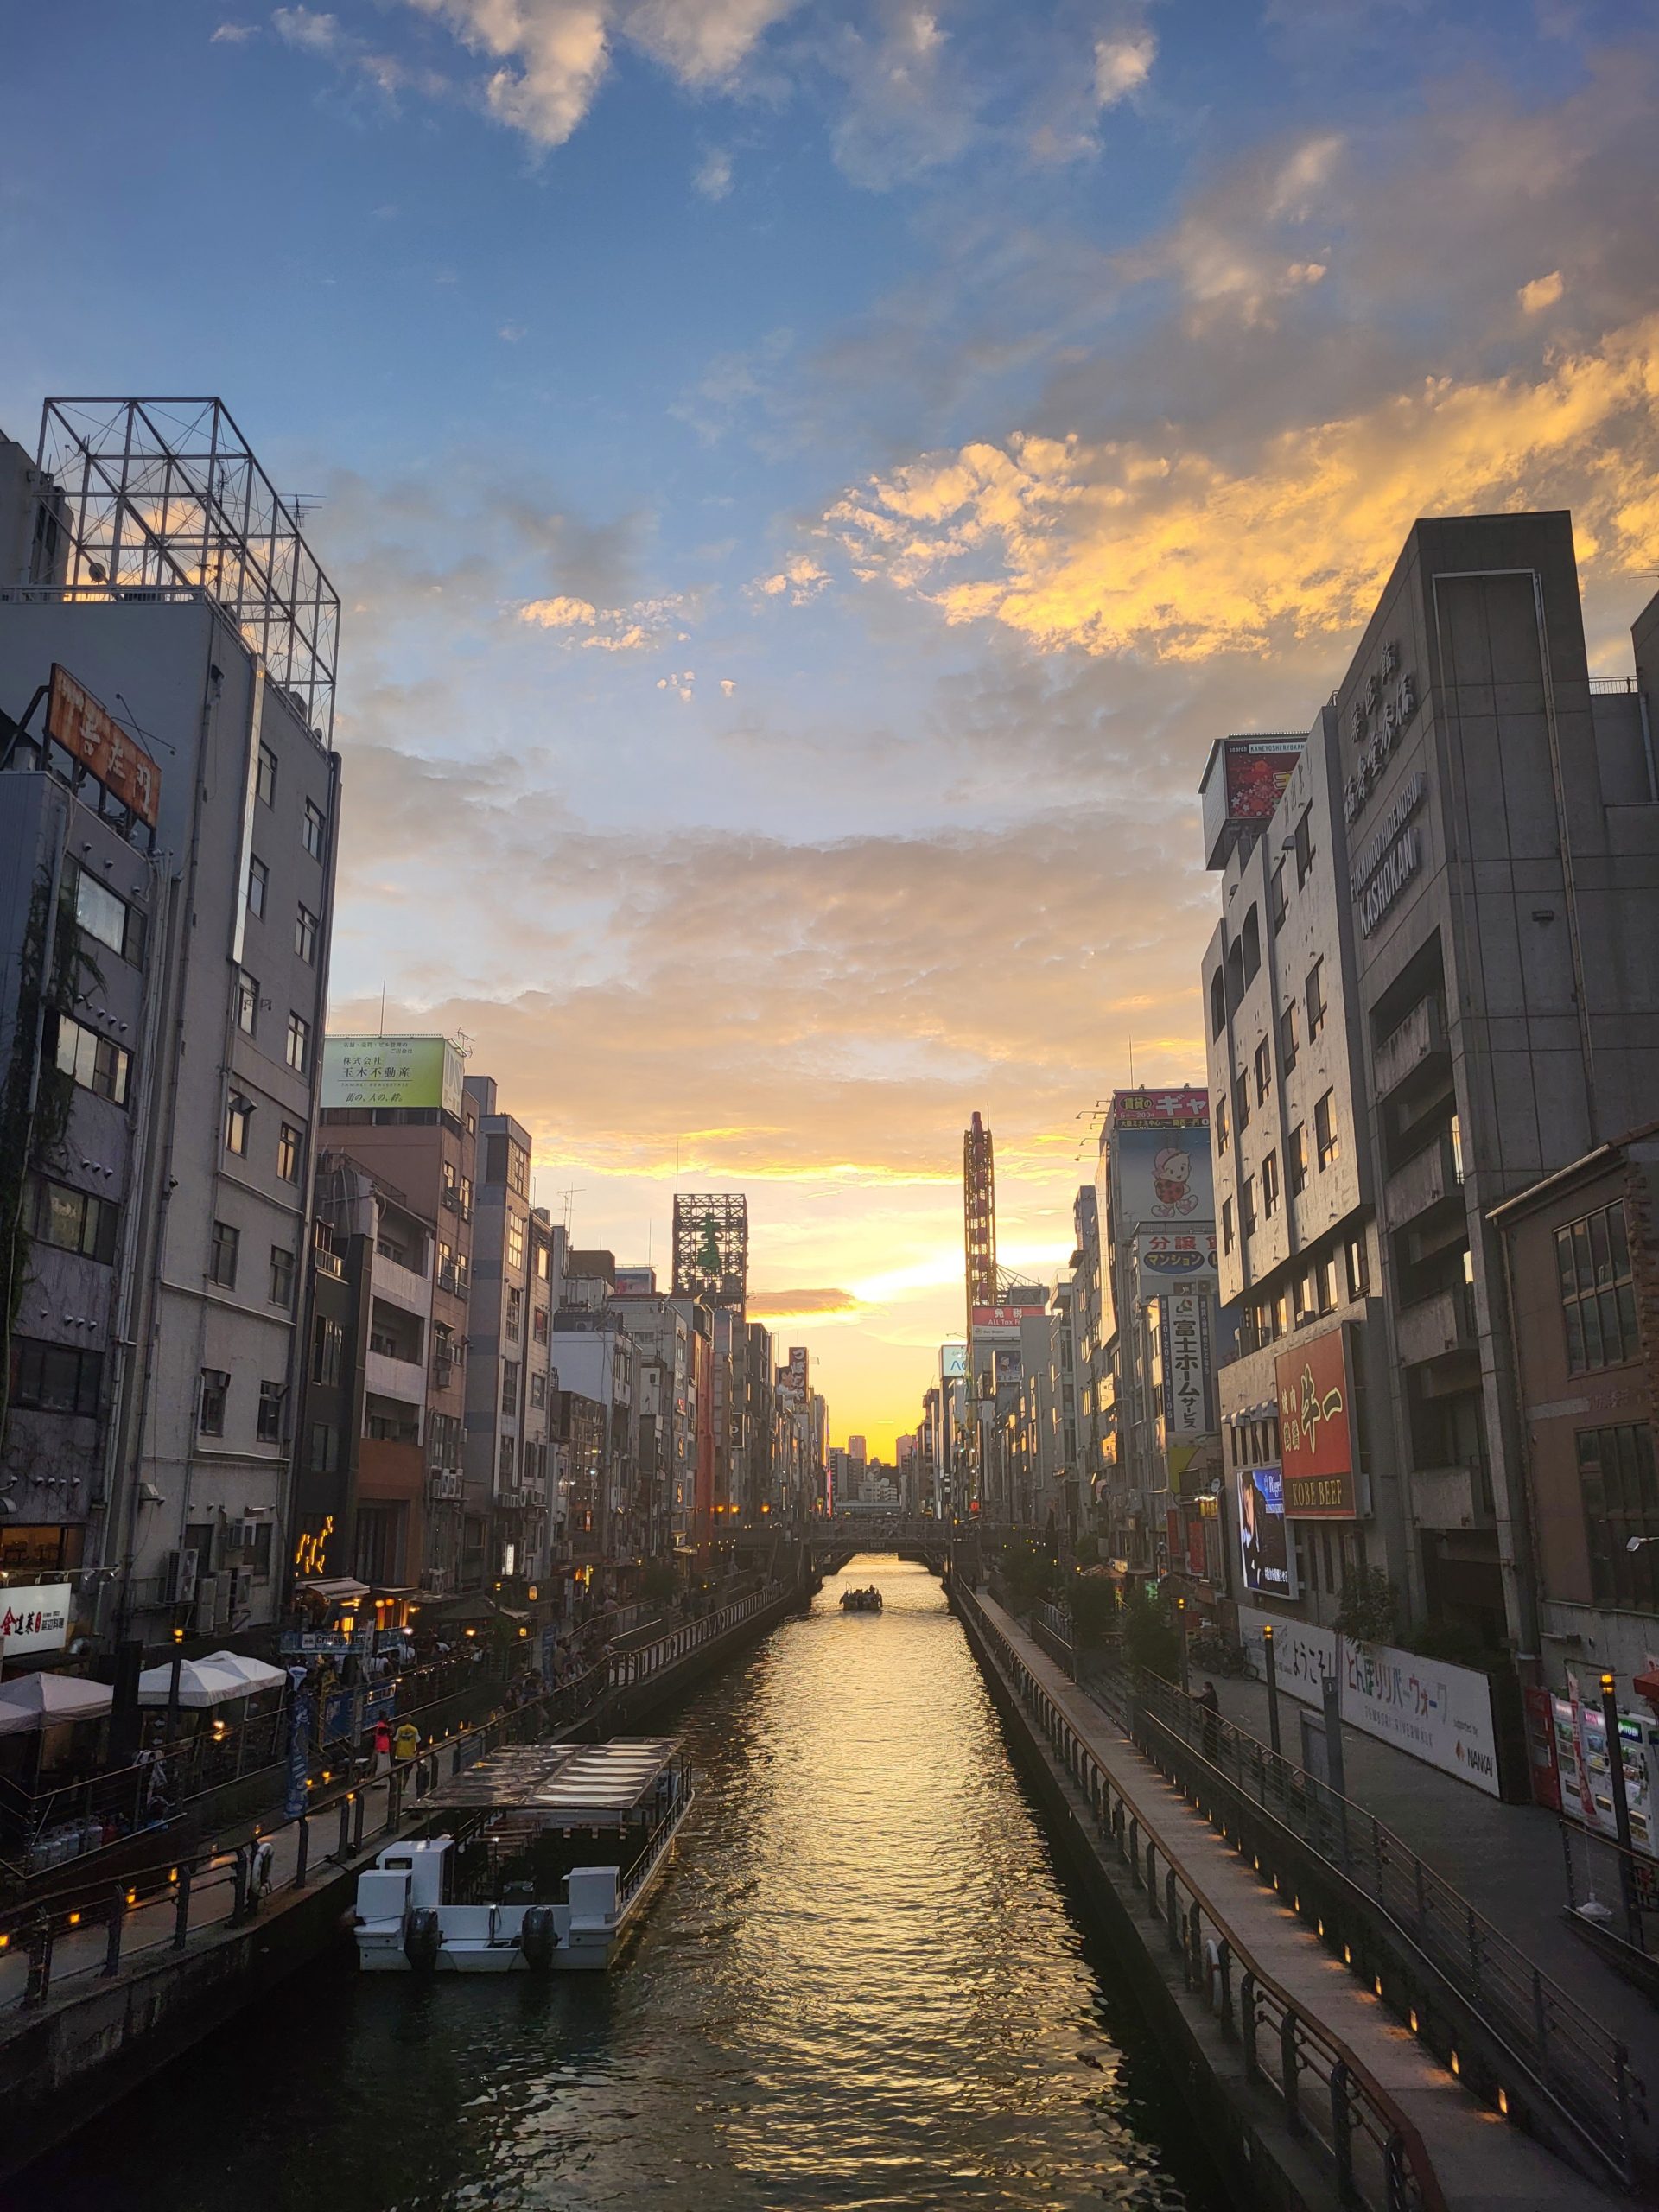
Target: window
{"type": "Point", "coordinates": [269, 1425]}
{"type": "Point", "coordinates": [539, 1325]}
{"type": "Point", "coordinates": [509, 1386]}
{"type": "Point", "coordinates": [515, 1239]}
{"type": "Point", "coordinates": [315, 832]}
{"type": "Point", "coordinates": [1278, 907]}
{"type": "Point", "coordinates": [299, 1042]}
{"type": "Point", "coordinates": [1288, 1037]}
{"type": "Point", "coordinates": [1359, 1267]}
{"type": "Point", "coordinates": [100, 914]}
{"type": "Point", "coordinates": [267, 776]}
{"type": "Point", "coordinates": [1264, 1071]}
{"type": "Point", "coordinates": [515, 1321]}
{"type": "Point", "coordinates": [1315, 1000]}
{"type": "Point", "coordinates": [247, 1002]}
{"type": "Point", "coordinates": [542, 1269]}
{"type": "Point", "coordinates": [95, 1064]}
{"type": "Point", "coordinates": [538, 1387]}
{"type": "Point", "coordinates": [305, 936]}
{"type": "Point", "coordinates": [258, 884]}
{"type": "Point", "coordinates": [1217, 1003]}
{"type": "Point", "coordinates": [215, 1390]}
{"type": "Point", "coordinates": [1330, 1293]}
{"type": "Point", "coordinates": [1221, 1123]}
{"type": "Point", "coordinates": [238, 1122]}
{"type": "Point", "coordinates": [1241, 1102]}
{"type": "Point", "coordinates": [54, 1378]}
{"type": "Point", "coordinates": [446, 1266]}
{"type": "Point", "coordinates": [1592, 1260]}
{"type": "Point", "coordinates": [328, 1344]}
{"type": "Point", "coordinates": [1270, 1186]}
{"type": "Point", "coordinates": [1247, 1206]}
{"type": "Point", "coordinates": [507, 1452]}
{"type": "Point", "coordinates": [1304, 845]}
{"type": "Point", "coordinates": [221, 1262]}
{"type": "Point", "coordinates": [518, 1170]}
{"type": "Point", "coordinates": [290, 1152]}
{"type": "Point", "coordinates": [1296, 1161]}
{"type": "Point", "coordinates": [1621, 1500]}
{"type": "Point", "coordinates": [282, 1277]}
{"type": "Point", "coordinates": [324, 1449]}
{"type": "Point", "coordinates": [1325, 1130]}
{"type": "Point", "coordinates": [74, 1221]}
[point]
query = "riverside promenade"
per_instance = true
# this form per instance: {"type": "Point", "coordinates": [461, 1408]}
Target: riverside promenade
{"type": "Point", "coordinates": [1475, 2157]}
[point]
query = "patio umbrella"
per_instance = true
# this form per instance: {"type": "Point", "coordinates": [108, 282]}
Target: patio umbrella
{"type": "Point", "coordinates": [199, 1684]}
{"type": "Point", "coordinates": [42, 1701]}
{"type": "Point", "coordinates": [253, 1674]}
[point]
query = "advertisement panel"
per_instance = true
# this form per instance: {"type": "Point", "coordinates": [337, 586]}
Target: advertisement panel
{"type": "Point", "coordinates": [985, 1317]}
{"type": "Point", "coordinates": [385, 1071]}
{"type": "Point", "coordinates": [1184, 1348]}
{"type": "Point", "coordinates": [1176, 1252]}
{"type": "Point", "coordinates": [1187, 1109]}
{"type": "Point", "coordinates": [953, 1362]}
{"type": "Point", "coordinates": [1258, 768]}
{"type": "Point", "coordinates": [1268, 1556]}
{"type": "Point", "coordinates": [75, 721]}
{"type": "Point", "coordinates": [1438, 1713]}
{"type": "Point", "coordinates": [1316, 1442]}
{"type": "Point", "coordinates": [1160, 1177]}
{"type": "Point", "coordinates": [35, 1617]}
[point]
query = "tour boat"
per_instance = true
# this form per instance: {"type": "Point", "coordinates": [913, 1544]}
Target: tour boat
{"type": "Point", "coordinates": [861, 1601]}
{"type": "Point", "coordinates": [546, 1857]}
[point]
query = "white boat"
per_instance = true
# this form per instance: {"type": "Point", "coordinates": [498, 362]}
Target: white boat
{"type": "Point", "coordinates": [546, 1856]}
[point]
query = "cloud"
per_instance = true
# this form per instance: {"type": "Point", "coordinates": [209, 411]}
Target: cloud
{"type": "Point", "coordinates": [1542, 292]}
{"type": "Point", "coordinates": [727, 687]}
{"type": "Point", "coordinates": [233, 34]}
{"type": "Point", "coordinates": [800, 1305]}
{"type": "Point", "coordinates": [1122, 65]}
{"type": "Point", "coordinates": [512, 332]}
{"type": "Point", "coordinates": [801, 578]}
{"type": "Point", "coordinates": [713, 175]}
{"type": "Point", "coordinates": [559, 614]}
{"type": "Point", "coordinates": [1118, 546]}
{"type": "Point", "coordinates": [307, 29]}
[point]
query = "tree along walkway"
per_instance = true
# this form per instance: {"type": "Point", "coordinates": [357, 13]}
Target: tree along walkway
{"type": "Point", "coordinates": [1478, 2158]}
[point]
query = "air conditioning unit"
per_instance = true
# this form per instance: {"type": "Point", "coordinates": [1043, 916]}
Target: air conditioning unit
{"type": "Point", "coordinates": [237, 1590]}
{"type": "Point", "coordinates": [445, 1486]}
{"type": "Point", "coordinates": [206, 1616]}
{"type": "Point", "coordinates": [182, 1577]}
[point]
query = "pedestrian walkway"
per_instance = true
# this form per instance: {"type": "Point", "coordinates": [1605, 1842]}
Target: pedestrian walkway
{"type": "Point", "coordinates": [1505, 1860]}
{"type": "Point", "coordinates": [1478, 2158]}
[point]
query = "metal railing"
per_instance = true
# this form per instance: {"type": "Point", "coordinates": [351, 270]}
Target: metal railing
{"type": "Point", "coordinates": [158, 1907]}
{"type": "Point", "coordinates": [1326, 2095]}
{"type": "Point", "coordinates": [1614, 1893]}
{"type": "Point", "coordinates": [1473, 1995]}
{"type": "Point", "coordinates": [1050, 1627]}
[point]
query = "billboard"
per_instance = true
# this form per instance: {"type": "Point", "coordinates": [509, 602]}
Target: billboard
{"type": "Point", "coordinates": [1268, 1556]}
{"type": "Point", "coordinates": [1316, 1445]}
{"type": "Point", "coordinates": [423, 1072]}
{"type": "Point", "coordinates": [1180, 1252]}
{"type": "Point", "coordinates": [1159, 1178]}
{"type": "Point", "coordinates": [953, 1362]}
{"type": "Point", "coordinates": [985, 1317]}
{"type": "Point", "coordinates": [711, 1247]}
{"type": "Point", "coordinates": [1187, 1109]}
{"type": "Point", "coordinates": [91, 733]}
{"type": "Point", "coordinates": [1257, 770]}
{"type": "Point", "coordinates": [1183, 1356]}
{"type": "Point", "coordinates": [35, 1617]}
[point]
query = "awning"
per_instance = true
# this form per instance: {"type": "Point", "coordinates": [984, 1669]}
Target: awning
{"type": "Point", "coordinates": [44, 1700]}
{"type": "Point", "coordinates": [337, 1590]}
{"type": "Point", "coordinates": [461, 1606]}
{"type": "Point", "coordinates": [200, 1685]}
{"type": "Point", "coordinates": [257, 1674]}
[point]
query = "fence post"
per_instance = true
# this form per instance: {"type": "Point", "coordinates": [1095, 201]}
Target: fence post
{"type": "Point", "coordinates": [302, 1850]}
{"type": "Point", "coordinates": [1289, 2064]}
{"type": "Point", "coordinates": [343, 1848]}
{"type": "Point", "coordinates": [1195, 1946]}
{"type": "Point", "coordinates": [1152, 1878]}
{"type": "Point", "coordinates": [182, 1907]}
{"type": "Point", "coordinates": [1134, 1850]}
{"type": "Point", "coordinates": [1225, 1974]}
{"type": "Point", "coordinates": [1172, 1910]}
{"type": "Point", "coordinates": [40, 1960]}
{"type": "Point", "coordinates": [239, 1884]}
{"type": "Point", "coordinates": [118, 1921]}
{"type": "Point", "coordinates": [1247, 2024]}
{"type": "Point", "coordinates": [1341, 2124]}
{"type": "Point", "coordinates": [359, 1800]}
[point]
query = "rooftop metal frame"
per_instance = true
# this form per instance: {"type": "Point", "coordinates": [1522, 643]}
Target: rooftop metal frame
{"type": "Point", "coordinates": [162, 494]}
{"type": "Point", "coordinates": [711, 1247]}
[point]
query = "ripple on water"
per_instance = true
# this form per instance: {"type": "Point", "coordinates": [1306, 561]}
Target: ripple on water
{"type": "Point", "coordinates": [861, 1987]}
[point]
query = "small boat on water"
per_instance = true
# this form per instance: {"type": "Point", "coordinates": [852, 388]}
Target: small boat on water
{"type": "Point", "coordinates": [546, 1857]}
{"type": "Point", "coordinates": [868, 1600]}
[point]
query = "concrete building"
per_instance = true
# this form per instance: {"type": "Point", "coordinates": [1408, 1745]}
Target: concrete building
{"type": "Point", "coordinates": [194, 722]}
{"type": "Point", "coordinates": [498, 1325]}
{"type": "Point", "coordinates": [1581, 1251]}
{"type": "Point", "coordinates": [1458, 891]}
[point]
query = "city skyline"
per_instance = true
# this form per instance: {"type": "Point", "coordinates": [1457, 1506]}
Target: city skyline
{"type": "Point", "coordinates": [754, 450]}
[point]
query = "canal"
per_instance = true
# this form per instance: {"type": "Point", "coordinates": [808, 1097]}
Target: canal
{"type": "Point", "coordinates": [864, 1985]}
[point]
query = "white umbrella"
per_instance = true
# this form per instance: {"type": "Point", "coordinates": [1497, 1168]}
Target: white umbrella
{"type": "Point", "coordinates": [253, 1674]}
{"type": "Point", "coordinates": [42, 1701]}
{"type": "Point", "coordinates": [199, 1684]}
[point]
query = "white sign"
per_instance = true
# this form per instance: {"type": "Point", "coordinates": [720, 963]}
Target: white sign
{"type": "Point", "coordinates": [35, 1618]}
{"type": "Point", "coordinates": [1441, 1714]}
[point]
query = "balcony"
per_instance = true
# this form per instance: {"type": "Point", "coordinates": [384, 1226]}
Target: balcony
{"type": "Point", "coordinates": [402, 1380]}
{"type": "Point", "coordinates": [1417, 1042]}
{"type": "Point", "coordinates": [1424, 1182]}
{"type": "Point", "coordinates": [1442, 1327]}
{"type": "Point", "coordinates": [1452, 1498]}
{"type": "Point", "coordinates": [403, 1287]}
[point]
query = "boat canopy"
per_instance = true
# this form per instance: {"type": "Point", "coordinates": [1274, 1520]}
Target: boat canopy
{"type": "Point", "coordinates": [582, 1785]}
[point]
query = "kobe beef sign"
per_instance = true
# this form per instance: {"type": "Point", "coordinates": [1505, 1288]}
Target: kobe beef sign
{"type": "Point", "coordinates": [1316, 1435]}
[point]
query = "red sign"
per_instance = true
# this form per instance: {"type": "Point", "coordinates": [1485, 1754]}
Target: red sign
{"type": "Point", "coordinates": [1257, 771]}
{"type": "Point", "coordinates": [1004, 1317]}
{"type": "Point", "coordinates": [1160, 1109]}
{"type": "Point", "coordinates": [75, 721]}
{"type": "Point", "coordinates": [1316, 1446]}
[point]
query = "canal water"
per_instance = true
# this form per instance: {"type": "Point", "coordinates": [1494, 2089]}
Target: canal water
{"type": "Point", "coordinates": [863, 1984]}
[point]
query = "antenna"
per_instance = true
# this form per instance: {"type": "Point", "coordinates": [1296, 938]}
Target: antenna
{"type": "Point", "coordinates": [570, 1198]}
{"type": "Point", "coordinates": [383, 1009]}
{"type": "Point", "coordinates": [1131, 1063]}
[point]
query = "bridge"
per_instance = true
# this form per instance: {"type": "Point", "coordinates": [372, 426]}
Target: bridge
{"type": "Point", "coordinates": [833, 1542]}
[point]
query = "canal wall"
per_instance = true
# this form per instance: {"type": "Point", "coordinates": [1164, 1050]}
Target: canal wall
{"type": "Point", "coordinates": [67, 2059]}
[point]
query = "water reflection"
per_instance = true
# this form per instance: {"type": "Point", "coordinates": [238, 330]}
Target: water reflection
{"type": "Point", "coordinates": [861, 1987]}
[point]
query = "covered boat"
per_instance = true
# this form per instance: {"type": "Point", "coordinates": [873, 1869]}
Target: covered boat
{"type": "Point", "coordinates": [547, 1854]}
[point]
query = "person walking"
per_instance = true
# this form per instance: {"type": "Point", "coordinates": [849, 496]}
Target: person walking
{"type": "Point", "coordinates": [381, 1764]}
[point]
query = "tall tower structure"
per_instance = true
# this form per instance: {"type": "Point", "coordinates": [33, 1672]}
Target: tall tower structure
{"type": "Point", "coordinates": [979, 1216]}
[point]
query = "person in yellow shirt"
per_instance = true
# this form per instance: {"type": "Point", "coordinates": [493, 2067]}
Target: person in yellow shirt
{"type": "Point", "coordinates": [405, 1742]}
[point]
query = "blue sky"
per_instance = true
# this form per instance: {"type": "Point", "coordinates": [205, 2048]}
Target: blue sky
{"type": "Point", "coordinates": [807, 483]}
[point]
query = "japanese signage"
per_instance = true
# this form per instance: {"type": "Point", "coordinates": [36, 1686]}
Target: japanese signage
{"type": "Point", "coordinates": [371, 1071]}
{"type": "Point", "coordinates": [1184, 1347]}
{"type": "Point", "coordinates": [35, 1618]}
{"type": "Point", "coordinates": [1316, 1446]}
{"type": "Point", "coordinates": [1379, 714]}
{"type": "Point", "coordinates": [75, 721]}
{"type": "Point", "coordinates": [1160, 1109]}
{"type": "Point", "coordinates": [1400, 863]}
{"type": "Point", "coordinates": [1438, 1713]}
{"type": "Point", "coordinates": [1176, 1252]}
{"type": "Point", "coordinates": [1007, 1317]}
{"type": "Point", "coordinates": [1160, 1177]}
{"type": "Point", "coordinates": [1258, 768]}
{"type": "Point", "coordinates": [1265, 1548]}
